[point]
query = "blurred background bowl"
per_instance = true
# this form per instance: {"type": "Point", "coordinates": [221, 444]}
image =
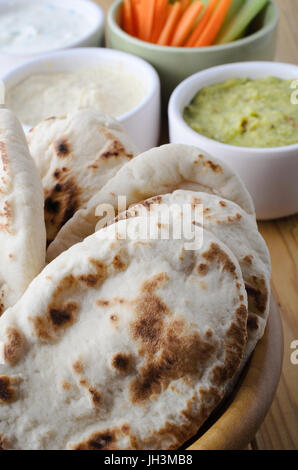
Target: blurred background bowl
{"type": "Point", "coordinates": [94, 37]}
{"type": "Point", "coordinates": [142, 122]}
{"type": "Point", "coordinates": [270, 174]}
{"type": "Point", "coordinates": [174, 64]}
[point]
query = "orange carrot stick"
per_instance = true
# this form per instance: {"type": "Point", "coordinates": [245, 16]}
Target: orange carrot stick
{"type": "Point", "coordinates": [127, 18]}
{"type": "Point", "coordinates": [185, 4]}
{"type": "Point", "coordinates": [201, 24]}
{"type": "Point", "coordinates": [170, 25]}
{"type": "Point", "coordinates": [149, 8]}
{"type": "Point", "coordinates": [142, 14]}
{"type": "Point", "coordinates": [210, 32]}
{"type": "Point", "coordinates": [137, 15]}
{"type": "Point", "coordinates": [186, 23]}
{"type": "Point", "coordinates": [160, 16]}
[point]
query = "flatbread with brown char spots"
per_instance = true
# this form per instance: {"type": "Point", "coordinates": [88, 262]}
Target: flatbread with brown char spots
{"type": "Point", "coordinates": [125, 344]}
{"type": "Point", "coordinates": [159, 171]}
{"type": "Point", "coordinates": [22, 227]}
{"type": "Point", "coordinates": [76, 156]}
{"type": "Point", "coordinates": [230, 224]}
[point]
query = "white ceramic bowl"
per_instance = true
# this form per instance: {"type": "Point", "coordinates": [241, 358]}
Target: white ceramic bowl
{"type": "Point", "coordinates": [94, 36]}
{"type": "Point", "coordinates": [142, 122]}
{"type": "Point", "coordinates": [270, 174]}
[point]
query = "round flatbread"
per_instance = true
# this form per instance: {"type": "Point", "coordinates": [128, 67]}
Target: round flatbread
{"type": "Point", "coordinates": [158, 171]}
{"type": "Point", "coordinates": [122, 343]}
{"type": "Point", "coordinates": [232, 226]}
{"type": "Point", "coordinates": [22, 227]}
{"type": "Point", "coordinates": [76, 155]}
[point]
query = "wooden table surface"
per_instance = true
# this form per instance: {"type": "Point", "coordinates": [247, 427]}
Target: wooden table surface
{"type": "Point", "coordinates": [280, 428]}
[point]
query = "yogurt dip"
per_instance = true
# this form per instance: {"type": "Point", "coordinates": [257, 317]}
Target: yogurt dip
{"type": "Point", "coordinates": [110, 89]}
{"type": "Point", "coordinates": [35, 26]}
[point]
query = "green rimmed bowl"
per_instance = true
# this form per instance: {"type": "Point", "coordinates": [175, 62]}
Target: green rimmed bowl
{"type": "Point", "coordinates": [174, 64]}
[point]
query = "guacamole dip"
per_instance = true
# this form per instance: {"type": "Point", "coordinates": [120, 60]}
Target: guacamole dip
{"type": "Point", "coordinates": [245, 112]}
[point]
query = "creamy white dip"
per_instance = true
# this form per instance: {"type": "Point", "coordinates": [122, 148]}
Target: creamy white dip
{"type": "Point", "coordinates": [110, 89]}
{"type": "Point", "coordinates": [34, 26]}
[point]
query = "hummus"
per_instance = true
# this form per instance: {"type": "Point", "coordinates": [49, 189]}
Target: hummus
{"type": "Point", "coordinates": [245, 112]}
{"type": "Point", "coordinates": [109, 89]}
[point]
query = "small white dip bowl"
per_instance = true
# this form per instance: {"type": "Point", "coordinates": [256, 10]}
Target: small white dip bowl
{"type": "Point", "coordinates": [142, 122]}
{"type": "Point", "coordinates": [270, 174]}
{"type": "Point", "coordinates": [94, 37]}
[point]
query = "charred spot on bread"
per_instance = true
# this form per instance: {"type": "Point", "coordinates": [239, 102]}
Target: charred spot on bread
{"type": "Point", "coordinates": [216, 254]}
{"type": "Point", "coordinates": [257, 294]}
{"type": "Point", "coordinates": [252, 322]}
{"type": "Point", "coordinates": [98, 441]}
{"type": "Point", "coordinates": [235, 342]}
{"type": "Point", "coordinates": [55, 320]}
{"type": "Point", "coordinates": [170, 349]}
{"type": "Point", "coordinates": [3, 443]}
{"type": "Point", "coordinates": [122, 362]}
{"type": "Point", "coordinates": [61, 203]}
{"type": "Point", "coordinates": [7, 217]}
{"type": "Point", "coordinates": [63, 316]}
{"type": "Point", "coordinates": [7, 392]}
{"type": "Point", "coordinates": [62, 147]}
{"type": "Point", "coordinates": [13, 346]}
{"type": "Point", "coordinates": [95, 396]}
{"type": "Point", "coordinates": [78, 366]}
{"type": "Point", "coordinates": [202, 268]}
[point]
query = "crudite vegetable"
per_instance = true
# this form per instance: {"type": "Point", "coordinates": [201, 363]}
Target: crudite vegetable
{"type": "Point", "coordinates": [189, 23]}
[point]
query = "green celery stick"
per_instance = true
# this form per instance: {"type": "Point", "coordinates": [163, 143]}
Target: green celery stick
{"type": "Point", "coordinates": [234, 8]}
{"type": "Point", "coordinates": [241, 20]}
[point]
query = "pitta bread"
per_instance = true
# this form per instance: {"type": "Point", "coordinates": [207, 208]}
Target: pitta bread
{"type": "Point", "coordinates": [232, 226]}
{"type": "Point", "coordinates": [109, 356]}
{"type": "Point", "coordinates": [22, 228]}
{"type": "Point", "coordinates": [76, 156]}
{"type": "Point", "coordinates": [160, 170]}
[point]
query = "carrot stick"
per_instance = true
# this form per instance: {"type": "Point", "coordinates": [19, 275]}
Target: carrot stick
{"type": "Point", "coordinates": [149, 7]}
{"type": "Point", "coordinates": [210, 32]}
{"type": "Point", "coordinates": [170, 25]}
{"type": "Point", "coordinates": [127, 18]}
{"type": "Point", "coordinates": [201, 24]}
{"type": "Point", "coordinates": [186, 23]}
{"type": "Point", "coordinates": [185, 4]}
{"type": "Point", "coordinates": [136, 10]}
{"type": "Point", "coordinates": [160, 16]}
{"type": "Point", "coordinates": [142, 14]}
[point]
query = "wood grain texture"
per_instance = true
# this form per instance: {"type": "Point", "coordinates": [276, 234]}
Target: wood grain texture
{"type": "Point", "coordinates": [280, 428]}
{"type": "Point", "coordinates": [287, 45]}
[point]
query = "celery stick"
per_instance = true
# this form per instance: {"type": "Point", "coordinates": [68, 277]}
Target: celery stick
{"type": "Point", "coordinates": [234, 8]}
{"type": "Point", "coordinates": [239, 23]}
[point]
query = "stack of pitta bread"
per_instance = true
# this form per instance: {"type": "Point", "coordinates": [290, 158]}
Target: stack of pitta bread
{"type": "Point", "coordinates": [124, 340]}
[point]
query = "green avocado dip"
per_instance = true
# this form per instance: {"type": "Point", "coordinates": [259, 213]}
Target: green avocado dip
{"type": "Point", "coordinates": [245, 112]}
